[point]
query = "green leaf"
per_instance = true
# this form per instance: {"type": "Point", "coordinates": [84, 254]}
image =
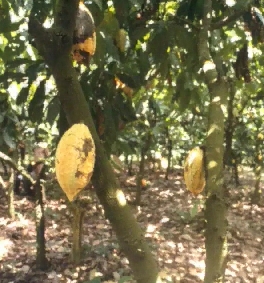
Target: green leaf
{"type": "Point", "coordinates": [136, 2]}
{"type": "Point", "coordinates": [53, 110]}
{"type": "Point", "coordinates": [95, 280]}
{"type": "Point", "coordinates": [2, 117]}
{"type": "Point", "coordinates": [111, 49]}
{"type": "Point", "coordinates": [36, 105]}
{"type": "Point", "coordinates": [9, 140]}
{"type": "Point", "coordinates": [99, 56]}
{"type": "Point", "coordinates": [125, 108]}
{"type": "Point", "coordinates": [194, 210]}
{"type": "Point", "coordinates": [122, 9]}
{"type": "Point", "coordinates": [111, 118]}
{"type": "Point", "coordinates": [3, 95]}
{"type": "Point", "coordinates": [125, 279]}
{"type": "Point", "coordinates": [7, 26]}
{"type": "Point", "coordinates": [18, 62]}
{"type": "Point", "coordinates": [35, 68]}
{"type": "Point", "coordinates": [138, 34]}
{"type": "Point", "coordinates": [15, 5]}
{"type": "Point", "coordinates": [22, 96]}
{"type": "Point", "coordinates": [144, 64]}
{"type": "Point", "coordinates": [159, 44]}
{"type": "Point", "coordinates": [99, 3]}
{"type": "Point", "coordinates": [185, 98]}
{"type": "Point", "coordinates": [110, 25]}
{"type": "Point", "coordinates": [5, 6]}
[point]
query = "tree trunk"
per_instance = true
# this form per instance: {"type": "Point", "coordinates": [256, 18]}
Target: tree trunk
{"type": "Point", "coordinates": [169, 148]}
{"type": "Point", "coordinates": [229, 129]}
{"type": "Point", "coordinates": [216, 206]}
{"type": "Point", "coordinates": [141, 172]}
{"type": "Point", "coordinates": [41, 260]}
{"type": "Point", "coordinates": [77, 211]}
{"type": "Point", "coordinates": [10, 195]}
{"type": "Point", "coordinates": [256, 196]}
{"type": "Point", "coordinates": [56, 52]}
{"type": "Point", "coordinates": [130, 165]}
{"type": "Point", "coordinates": [77, 231]}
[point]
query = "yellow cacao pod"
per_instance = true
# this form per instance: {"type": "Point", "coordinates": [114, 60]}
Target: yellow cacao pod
{"type": "Point", "coordinates": [194, 175]}
{"type": "Point", "coordinates": [74, 160]}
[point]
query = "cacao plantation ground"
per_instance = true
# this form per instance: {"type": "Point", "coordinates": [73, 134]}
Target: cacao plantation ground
{"type": "Point", "coordinates": [173, 224]}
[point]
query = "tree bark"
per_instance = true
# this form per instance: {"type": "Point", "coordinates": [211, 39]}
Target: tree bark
{"type": "Point", "coordinates": [216, 206]}
{"type": "Point", "coordinates": [258, 167]}
{"type": "Point", "coordinates": [169, 156]}
{"type": "Point", "coordinates": [140, 175]}
{"type": "Point", "coordinates": [55, 46]}
{"type": "Point", "coordinates": [41, 260]}
{"type": "Point", "coordinates": [229, 131]}
{"type": "Point", "coordinates": [78, 213]}
{"type": "Point", "coordinates": [10, 195]}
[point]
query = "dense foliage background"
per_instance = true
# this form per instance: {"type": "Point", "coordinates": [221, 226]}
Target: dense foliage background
{"type": "Point", "coordinates": [145, 85]}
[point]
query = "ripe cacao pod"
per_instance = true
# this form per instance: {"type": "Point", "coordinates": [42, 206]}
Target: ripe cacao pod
{"type": "Point", "coordinates": [74, 160]}
{"type": "Point", "coordinates": [194, 175]}
{"type": "Point", "coordinates": [84, 36]}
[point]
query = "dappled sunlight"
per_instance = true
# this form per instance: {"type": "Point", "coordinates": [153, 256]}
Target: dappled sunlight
{"type": "Point", "coordinates": [121, 198]}
{"type": "Point", "coordinates": [172, 222]}
{"type": "Point", "coordinates": [212, 164]}
{"type": "Point", "coordinates": [5, 246]}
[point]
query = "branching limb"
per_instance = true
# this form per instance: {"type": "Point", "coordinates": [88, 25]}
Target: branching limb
{"type": "Point", "coordinates": [16, 167]}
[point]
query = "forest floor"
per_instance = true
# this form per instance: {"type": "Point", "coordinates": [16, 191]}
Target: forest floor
{"type": "Point", "coordinates": [174, 228]}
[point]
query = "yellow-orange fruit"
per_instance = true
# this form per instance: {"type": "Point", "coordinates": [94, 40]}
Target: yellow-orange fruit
{"type": "Point", "coordinates": [84, 36]}
{"type": "Point", "coordinates": [74, 160]}
{"type": "Point", "coordinates": [194, 175]}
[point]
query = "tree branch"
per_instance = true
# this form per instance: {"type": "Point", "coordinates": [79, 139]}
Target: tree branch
{"type": "Point", "coordinates": [205, 58]}
{"type": "Point", "coordinates": [21, 169]}
{"type": "Point", "coordinates": [227, 20]}
{"type": "Point", "coordinates": [130, 236]}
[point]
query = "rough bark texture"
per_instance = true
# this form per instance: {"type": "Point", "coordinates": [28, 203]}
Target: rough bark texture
{"type": "Point", "coordinates": [169, 149]}
{"type": "Point", "coordinates": [55, 45]}
{"type": "Point", "coordinates": [216, 207]}
{"type": "Point", "coordinates": [10, 196]}
{"type": "Point", "coordinates": [41, 260]}
{"type": "Point", "coordinates": [141, 172]}
{"type": "Point", "coordinates": [77, 231]}
{"type": "Point", "coordinates": [256, 195]}
{"type": "Point", "coordinates": [229, 125]}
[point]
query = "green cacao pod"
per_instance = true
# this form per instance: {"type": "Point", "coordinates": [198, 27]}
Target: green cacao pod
{"type": "Point", "coordinates": [121, 40]}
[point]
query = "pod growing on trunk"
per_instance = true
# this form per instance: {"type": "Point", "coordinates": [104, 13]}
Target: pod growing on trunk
{"type": "Point", "coordinates": [194, 174]}
{"type": "Point", "coordinates": [74, 160]}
